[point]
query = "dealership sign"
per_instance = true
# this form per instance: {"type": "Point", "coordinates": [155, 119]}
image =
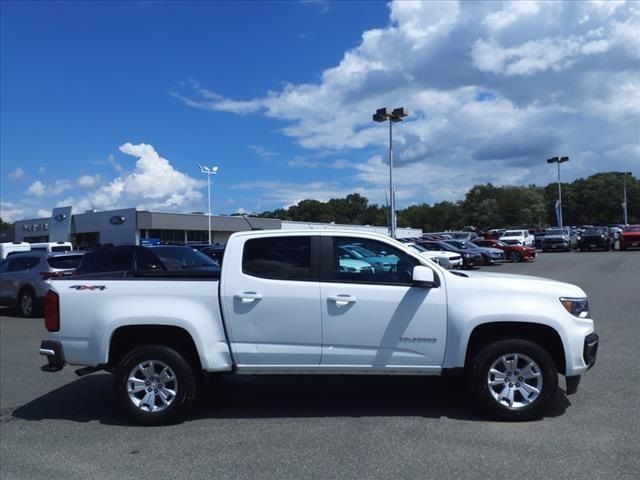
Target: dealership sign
{"type": "Point", "coordinates": [116, 220]}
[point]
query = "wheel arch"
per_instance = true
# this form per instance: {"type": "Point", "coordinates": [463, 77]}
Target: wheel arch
{"type": "Point", "coordinates": [543, 335]}
{"type": "Point", "coordinates": [127, 337]}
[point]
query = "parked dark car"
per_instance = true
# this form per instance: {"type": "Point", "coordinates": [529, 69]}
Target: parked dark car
{"type": "Point", "coordinates": [136, 258]}
{"type": "Point", "coordinates": [490, 255]}
{"type": "Point", "coordinates": [24, 277]}
{"type": "Point", "coordinates": [596, 238]}
{"type": "Point", "coordinates": [538, 236]}
{"type": "Point", "coordinates": [470, 259]}
{"type": "Point", "coordinates": [214, 252]}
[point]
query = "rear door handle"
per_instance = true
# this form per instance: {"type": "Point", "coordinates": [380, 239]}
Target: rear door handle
{"type": "Point", "coordinates": [248, 297]}
{"type": "Point", "coordinates": [342, 300]}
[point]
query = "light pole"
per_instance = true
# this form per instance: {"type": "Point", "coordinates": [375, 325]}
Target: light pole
{"type": "Point", "coordinates": [559, 160]}
{"type": "Point", "coordinates": [208, 172]}
{"type": "Point", "coordinates": [395, 115]}
{"type": "Point", "coordinates": [624, 189]}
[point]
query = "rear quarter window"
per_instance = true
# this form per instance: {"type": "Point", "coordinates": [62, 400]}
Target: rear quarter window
{"type": "Point", "coordinates": [278, 258]}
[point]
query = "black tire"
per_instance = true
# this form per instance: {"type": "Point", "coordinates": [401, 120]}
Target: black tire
{"type": "Point", "coordinates": [27, 303]}
{"type": "Point", "coordinates": [515, 257]}
{"type": "Point", "coordinates": [182, 382]}
{"type": "Point", "coordinates": [522, 408]}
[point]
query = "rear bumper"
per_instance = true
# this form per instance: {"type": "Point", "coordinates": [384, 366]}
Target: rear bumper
{"type": "Point", "coordinates": [55, 355]}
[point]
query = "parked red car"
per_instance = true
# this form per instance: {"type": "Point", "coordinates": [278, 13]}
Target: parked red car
{"type": "Point", "coordinates": [630, 237]}
{"type": "Point", "coordinates": [514, 253]}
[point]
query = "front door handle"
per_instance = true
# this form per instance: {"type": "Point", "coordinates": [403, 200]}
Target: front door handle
{"type": "Point", "coordinates": [248, 297]}
{"type": "Point", "coordinates": [342, 300]}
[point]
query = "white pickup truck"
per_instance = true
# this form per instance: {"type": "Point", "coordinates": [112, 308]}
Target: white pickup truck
{"type": "Point", "coordinates": [282, 304]}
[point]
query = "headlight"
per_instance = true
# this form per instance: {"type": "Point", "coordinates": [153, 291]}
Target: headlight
{"type": "Point", "coordinates": [578, 307]}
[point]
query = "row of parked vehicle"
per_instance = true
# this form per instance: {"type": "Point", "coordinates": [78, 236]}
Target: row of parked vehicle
{"type": "Point", "coordinates": [588, 238]}
{"type": "Point", "coordinates": [585, 238]}
{"type": "Point", "coordinates": [25, 274]}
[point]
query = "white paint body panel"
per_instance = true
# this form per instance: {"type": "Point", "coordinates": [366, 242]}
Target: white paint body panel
{"type": "Point", "coordinates": [299, 327]}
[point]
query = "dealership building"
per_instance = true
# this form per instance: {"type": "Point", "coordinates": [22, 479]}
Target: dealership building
{"type": "Point", "coordinates": [130, 226]}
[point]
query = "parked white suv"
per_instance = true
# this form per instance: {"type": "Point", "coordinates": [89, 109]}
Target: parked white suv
{"type": "Point", "coordinates": [517, 237]}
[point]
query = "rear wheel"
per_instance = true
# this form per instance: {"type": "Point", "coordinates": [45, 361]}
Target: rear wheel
{"type": "Point", "coordinates": [27, 303]}
{"type": "Point", "coordinates": [155, 385]}
{"type": "Point", "coordinates": [514, 379]}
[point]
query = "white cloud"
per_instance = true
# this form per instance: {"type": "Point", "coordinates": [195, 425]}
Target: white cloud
{"type": "Point", "coordinates": [17, 174]}
{"type": "Point", "coordinates": [42, 170]}
{"type": "Point", "coordinates": [37, 189]}
{"type": "Point", "coordinates": [262, 152]}
{"type": "Point", "coordinates": [153, 184]}
{"type": "Point", "coordinates": [510, 13]}
{"type": "Point", "coordinates": [88, 181]}
{"type": "Point", "coordinates": [10, 212]}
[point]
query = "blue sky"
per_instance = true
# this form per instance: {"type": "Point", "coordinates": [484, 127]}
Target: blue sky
{"type": "Point", "coordinates": [114, 104]}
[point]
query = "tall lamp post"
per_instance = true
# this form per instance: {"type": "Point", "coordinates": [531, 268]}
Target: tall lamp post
{"type": "Point", "coordinates": [395, 115]}
{"type": "Point", "coordinates": [208, 172]}
{"type": "Point", "coordinates": [559, 160]}
{"type": "Point", "coordinates": [624, 190]}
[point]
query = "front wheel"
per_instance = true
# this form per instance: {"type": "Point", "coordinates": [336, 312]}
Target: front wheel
{"type": "Point", "coordinates": [514, 257]}
{"type": "Point", "coordinates": [514, 379]}
{"type": "Point", "coordinates": [155, 385]}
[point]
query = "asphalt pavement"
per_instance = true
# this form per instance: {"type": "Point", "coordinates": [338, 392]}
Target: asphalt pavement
{"type": "Point", "coordinates": [59, 426]}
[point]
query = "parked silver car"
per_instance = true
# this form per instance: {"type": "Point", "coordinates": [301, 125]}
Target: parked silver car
{"type": "Point", "coordinates": [24, 277]}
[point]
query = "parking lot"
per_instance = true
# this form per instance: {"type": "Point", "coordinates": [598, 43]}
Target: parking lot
{"type": "Point", "coordinates": [61, 426]}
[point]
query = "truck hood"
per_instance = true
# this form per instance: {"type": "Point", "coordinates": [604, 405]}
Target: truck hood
{"type": "Point", "coordinates": [513, 282]}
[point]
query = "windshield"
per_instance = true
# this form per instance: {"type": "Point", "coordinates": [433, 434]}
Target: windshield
{"type": "Point", "coordinates": [635, 228]}
{"type": "Point", "coordinates": [182, 257]}
{"type": "Point", "coordinates": [418, 248]}
{"type": "Point", "coordinates": [595, 231]}
{"type": "Point", "coordinates": [512, 233]}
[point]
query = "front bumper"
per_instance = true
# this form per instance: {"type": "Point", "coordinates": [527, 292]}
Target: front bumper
{"type": "Point", "coordinates": [562, 245]}
{"type": "Point", "coordinates": [589, 353]}
{"type": "Point", "coordinates": [590, 349]}
{"type": "Point", "coordinates": [597, 242]}
{"type": "Point", "coordinates": [55, 355]}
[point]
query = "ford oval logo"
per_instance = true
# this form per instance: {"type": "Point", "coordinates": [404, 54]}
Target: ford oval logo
{"type": "Point", "coordinates": [116, 220]}
{"type": "Point", "coordinates": [60, 217]}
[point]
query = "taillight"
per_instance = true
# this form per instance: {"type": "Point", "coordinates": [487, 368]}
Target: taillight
{"type": "Point", "coordinates": [51, 311]}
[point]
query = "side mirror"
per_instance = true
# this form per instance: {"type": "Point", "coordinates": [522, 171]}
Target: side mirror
{"type": "Point", "coordinates": [424, 277]}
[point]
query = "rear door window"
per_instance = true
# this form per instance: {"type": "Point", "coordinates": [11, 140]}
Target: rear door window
{"type": "Point", "coordinates": [278, 258]}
